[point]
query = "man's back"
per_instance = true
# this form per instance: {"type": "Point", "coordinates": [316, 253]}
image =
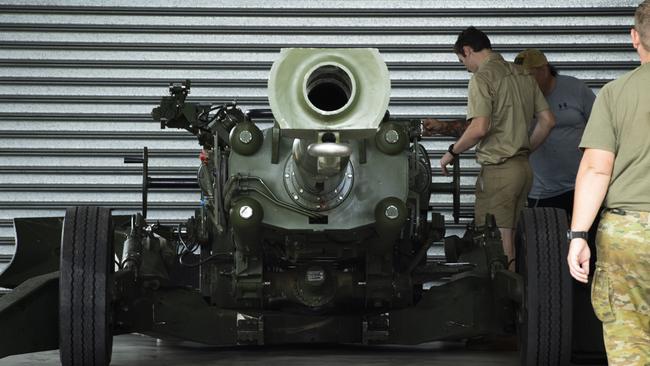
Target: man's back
{"type": "Point", "coordinates": [619, 124]}
{"type": "Point", "coordinates": [510, 97]}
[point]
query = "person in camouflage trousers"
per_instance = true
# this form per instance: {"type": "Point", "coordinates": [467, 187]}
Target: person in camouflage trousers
{"type": "Point", "coordinates": [621, 291]}
{"type": "Point", "coordinates": [615, 169]}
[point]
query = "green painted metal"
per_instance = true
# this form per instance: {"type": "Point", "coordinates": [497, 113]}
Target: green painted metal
{"type": "Point", "coordinates": [329, 89]}
{"type": "Point", "coordinates": [371, 183]}
{"type": "Point", "coordinates": [391, 138]}
{"type": "Point", "coordinates": [246, 216]}
{"type": "Point", "coordinates": [29, 316]}
{"type": "Point", "coordinates": [38, 242]}
{"type": "Point", "coordinates": [246, 138]}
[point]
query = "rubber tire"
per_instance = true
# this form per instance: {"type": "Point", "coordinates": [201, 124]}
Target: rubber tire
{"type": "Point", "coordinates": [545, 319]}
{"type": "Point", "coordinates": [85, 288]}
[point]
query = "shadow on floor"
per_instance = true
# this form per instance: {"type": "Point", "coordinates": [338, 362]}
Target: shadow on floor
{"type": "Point", "coordinates": [144, 351]}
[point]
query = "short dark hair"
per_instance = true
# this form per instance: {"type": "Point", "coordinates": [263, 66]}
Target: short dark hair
{"type": "Point", "coordinates": [553, 70]}
{"type": "Point", "coordinates": [474, 38]}
{"type": "Point", "coordinates": [642, 23]}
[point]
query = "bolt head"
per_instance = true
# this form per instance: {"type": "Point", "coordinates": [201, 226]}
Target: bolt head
{"type": "Point", "coordinates": [245, 212]}
{"type": "Point", "coordinates": [391, 136]}
{"type": "Point", "coordinates": [245, 136]}
{"type": "Point", "coordinates": [392, 212]}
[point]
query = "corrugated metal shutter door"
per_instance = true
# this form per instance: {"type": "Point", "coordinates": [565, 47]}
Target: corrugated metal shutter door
{"type": "Point", "coordinates": [79, 78]}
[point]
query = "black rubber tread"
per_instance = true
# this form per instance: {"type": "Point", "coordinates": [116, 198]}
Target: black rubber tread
{"type": "Point", "coordinates": [546, 318]}
{"type": "Point", "coordinates": [87, 256]}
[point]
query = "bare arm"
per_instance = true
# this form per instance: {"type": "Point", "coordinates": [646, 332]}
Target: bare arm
{"type": "Point", "coordinates": [545, 123]}
{"type": "Point", "coordinates": [592, 182]}
{"type": "Point", "coordinates": [476, 130]}
{"type": "Point", "coordinates": [433, 126]}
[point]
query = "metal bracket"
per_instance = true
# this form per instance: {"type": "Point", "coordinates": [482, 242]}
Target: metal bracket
{"type": "Point", "coordinates": [376, 328]}
{"type": "Point", "coordinates": [275, 144]}
{"type": "Point", "coordinates": [157, 182]}
{"type": "Point", "coordinates": [250, 330]}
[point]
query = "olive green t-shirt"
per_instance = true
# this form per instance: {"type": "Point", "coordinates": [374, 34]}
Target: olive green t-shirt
{"type": "Point", "coordinates": [620, 123]}
{"type": "Point", "coordinates": [509, 96]}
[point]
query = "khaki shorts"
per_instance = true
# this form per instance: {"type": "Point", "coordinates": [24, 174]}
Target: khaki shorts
{"type": "Point", "coordinates": [502, 190]}
{"type": "Point", "coordinates": [620, 292]}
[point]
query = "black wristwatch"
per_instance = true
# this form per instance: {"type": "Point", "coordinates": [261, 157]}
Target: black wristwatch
{"type": "Point", "coordinates": [570, 235]}
{"type": "Point", "coordinates": [451, 151]}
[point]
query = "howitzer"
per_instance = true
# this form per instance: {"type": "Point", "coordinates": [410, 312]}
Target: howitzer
{"type": "Point", "coordinates": [313, 230]}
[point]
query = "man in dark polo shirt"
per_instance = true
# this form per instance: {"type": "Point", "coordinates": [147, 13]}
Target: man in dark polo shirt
{"type": "Point", "coordinates": [555, 163]}
{"type": "Point", "coordinates": [502, 100]}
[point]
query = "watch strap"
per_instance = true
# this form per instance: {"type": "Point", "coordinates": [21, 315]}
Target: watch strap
{"type": "Point", "coordinates": [570, 234]}
{"type": "Point", "coordinates": [451, 151]}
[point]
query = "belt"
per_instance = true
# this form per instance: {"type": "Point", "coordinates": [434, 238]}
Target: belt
{"type": "Point", "coordinates": [616, 211]}
{"type": "Point", "coordinates": [622, 212]}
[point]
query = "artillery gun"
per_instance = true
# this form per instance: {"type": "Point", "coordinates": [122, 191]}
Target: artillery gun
{"type": "Point", "coordinates": [313, 230]}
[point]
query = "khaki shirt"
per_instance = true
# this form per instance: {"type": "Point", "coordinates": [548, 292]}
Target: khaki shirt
{"type": "Point", "coordinates": [509, 96]}
{"type": "Point", "coordinates": [620, 123]}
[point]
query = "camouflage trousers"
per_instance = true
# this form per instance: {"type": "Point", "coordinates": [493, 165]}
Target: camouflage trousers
{"type": "Point", "coordinates": [620, 293]}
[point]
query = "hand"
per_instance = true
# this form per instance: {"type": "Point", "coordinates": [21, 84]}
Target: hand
{"type": "Point", "coordinates": [578, 259]}
{"type": "Point", "coordinates": [430, 126]}
{"type": "Point", "coordinates": [446, 160]}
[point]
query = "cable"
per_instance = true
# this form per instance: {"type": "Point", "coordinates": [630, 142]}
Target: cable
{"type": "Point", "coordinates": [187, 249]}
{"type": "Point", "coordinates": [207, 121]}
{"type": "Point", "coordinates": [226, 258]}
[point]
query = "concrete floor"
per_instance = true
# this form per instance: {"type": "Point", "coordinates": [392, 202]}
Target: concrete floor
{"type": "Point", "coordinates": [144, 351]}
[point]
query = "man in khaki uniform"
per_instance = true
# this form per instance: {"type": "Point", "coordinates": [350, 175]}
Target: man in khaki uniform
{"type": "Point", "coordinates": [616, 168]}
{"type": "Point", "coordinates": [502, 100]}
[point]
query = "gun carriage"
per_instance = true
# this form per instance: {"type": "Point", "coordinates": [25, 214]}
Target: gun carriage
{"type": "Point", "coordinates": [314, 230]}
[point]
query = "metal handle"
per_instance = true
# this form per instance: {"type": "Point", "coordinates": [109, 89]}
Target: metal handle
{"type": "Point", "coordinates": [144, 160]}
{"type": "Point", "coordinates": [452, 187]}
{"type": "Point", "coordinates": [133, 160]}
{"type": "Point", "coordinates": [329, 149]}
